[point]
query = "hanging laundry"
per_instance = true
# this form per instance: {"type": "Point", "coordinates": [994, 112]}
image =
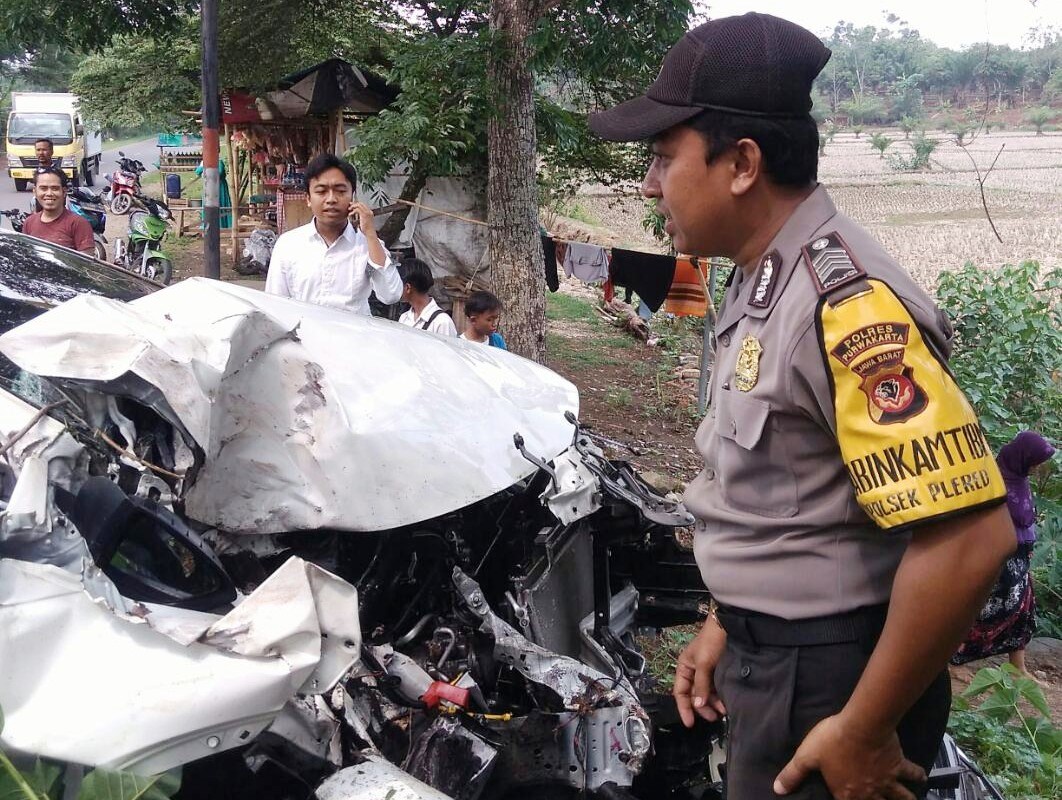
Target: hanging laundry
{"type": "Point", "coordinates": [549, 252]}
{"type": "Point", "coordinates": [587, 262]}
{"type": "Point", "coordinates": [686, 296]}
{"type": "Point", "coordinates": [648, 274]}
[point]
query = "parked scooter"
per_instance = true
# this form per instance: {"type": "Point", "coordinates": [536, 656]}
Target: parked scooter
{"type": "Point", "coordinates": [90, 206]}
{"type": "Point", "coordinates": [123, 184]}
{"type": "Point", "coordinates": [140, 251]}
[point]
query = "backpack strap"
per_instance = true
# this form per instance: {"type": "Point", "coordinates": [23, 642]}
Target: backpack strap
{"type": "Point", "coordinates": [431, 319]}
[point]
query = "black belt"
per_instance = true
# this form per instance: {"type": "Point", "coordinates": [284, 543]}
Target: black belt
{"type": "Point", "coordinates": [862, 625]}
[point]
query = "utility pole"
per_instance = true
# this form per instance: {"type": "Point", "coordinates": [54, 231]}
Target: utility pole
{"type": "Point", "coordinates": [211, 142]}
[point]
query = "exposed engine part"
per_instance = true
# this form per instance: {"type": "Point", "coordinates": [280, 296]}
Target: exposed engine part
{"type": "Point", "coordinates": [609, 722]}
{"type": "Point", "coordinates": [452, 759]}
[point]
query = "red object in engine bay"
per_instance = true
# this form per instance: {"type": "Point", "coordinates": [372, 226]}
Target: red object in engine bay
{"type": "Point", "coordinates": [440, 690]}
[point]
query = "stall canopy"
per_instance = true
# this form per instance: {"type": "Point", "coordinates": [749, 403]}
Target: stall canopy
{"type": "Point", "coordinates": [315, 91]}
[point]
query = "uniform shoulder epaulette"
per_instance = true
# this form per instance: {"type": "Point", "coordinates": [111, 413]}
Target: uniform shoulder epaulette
{"type": "Point", "coordinates": [831, 263]}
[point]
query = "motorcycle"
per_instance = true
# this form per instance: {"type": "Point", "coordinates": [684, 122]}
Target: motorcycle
{"type": "Point", "coordinates": [140, 250]}
{"type": "Point", "coordinates": [123, 184]}
{"type": "Point", "coordinates": [90, 206]}
{"type": "Point", "coordinates": [15, 217]}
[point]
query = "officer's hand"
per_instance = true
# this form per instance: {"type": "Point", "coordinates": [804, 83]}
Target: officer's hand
{"type": "Point", "coordinates": [694, 675]}
{"type": "Point", "coordinates": [854, 764]}
{"type": "Point", "coordinates": [362, 217]}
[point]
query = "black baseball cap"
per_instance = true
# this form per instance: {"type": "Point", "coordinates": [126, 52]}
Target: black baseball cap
{"type": "Point", "coordinates": [753, 65]}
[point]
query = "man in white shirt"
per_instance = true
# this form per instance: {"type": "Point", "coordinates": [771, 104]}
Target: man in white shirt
{"type": "Point", "coordinates": [424, 313]}
{"type": "Point", "coordinates": [336, 259]}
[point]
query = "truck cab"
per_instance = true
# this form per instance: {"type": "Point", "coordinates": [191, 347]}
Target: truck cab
{"type": "Point", "coordinates": [54, 116]}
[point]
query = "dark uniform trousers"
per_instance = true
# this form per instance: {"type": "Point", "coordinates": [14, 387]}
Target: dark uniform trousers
{"type": "Point", "coordinates": [779, 678]}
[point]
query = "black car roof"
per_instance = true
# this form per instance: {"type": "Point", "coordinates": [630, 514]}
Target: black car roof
{"type": "Point", "coordinates": [39, 274]}
{"type": "Point", "coordinates": [36, 275]}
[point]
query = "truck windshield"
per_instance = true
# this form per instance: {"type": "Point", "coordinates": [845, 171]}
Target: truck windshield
{"type": "Point", "coordinates": [25, 128]}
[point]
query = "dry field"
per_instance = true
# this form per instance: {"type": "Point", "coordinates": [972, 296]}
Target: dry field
{"type": "Point", "coordinates": [929, 221]}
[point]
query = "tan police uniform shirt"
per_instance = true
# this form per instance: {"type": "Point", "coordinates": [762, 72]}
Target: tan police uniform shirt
{"type": "Point", "coordinates": [833, 428]}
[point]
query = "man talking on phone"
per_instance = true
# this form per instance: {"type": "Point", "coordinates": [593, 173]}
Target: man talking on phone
{"type": "Point", "coordinates": [336, 259]}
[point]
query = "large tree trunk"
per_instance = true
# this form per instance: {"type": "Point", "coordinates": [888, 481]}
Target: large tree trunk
{"type": "Point", "coordinates": [516, 261]}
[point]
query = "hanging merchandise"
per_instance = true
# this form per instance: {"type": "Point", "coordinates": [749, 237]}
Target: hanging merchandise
{"type": "Point", "coordinates": [686, 298]}
{"type": "Point", "coordinates": [649, 274]}
{"type": "Point", "coordinates": [587, 262]}
{"type": "Point", "coordinates": [549, 253]}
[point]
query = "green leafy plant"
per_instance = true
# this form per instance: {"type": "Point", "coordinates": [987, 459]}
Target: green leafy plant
{"type": "Point", "coordinates": [1008, 346]}
{"type": "Point", "coordinates": [654, 221]}
{"type": "Point", "coordinates": [922, 148]}
{"type": "Point", "coordinates": [880, 142]}
{"type": "Point", "coordinates": [1046, 567]}
{"type": "Point", "coordinates": [1010, 733]}
{"type": "Point", "coordinates": [909, 124]}
{"type": "Point", "coordinates": [1039, 116]}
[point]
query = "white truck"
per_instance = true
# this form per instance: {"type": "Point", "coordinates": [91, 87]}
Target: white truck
{"type": "Point", "coordinates": [77, 148]}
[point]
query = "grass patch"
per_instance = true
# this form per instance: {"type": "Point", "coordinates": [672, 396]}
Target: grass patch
{"type": "Point", "coordinates": [564, 307]}
{"type": "Point", "coordinates": [579, 213]}
{"type": "Point", "coordinates": [620, 398]}
{"type": "Point", "coordinates": [579, 352]}
{"type": "Point", "coordinates": [662, 651]}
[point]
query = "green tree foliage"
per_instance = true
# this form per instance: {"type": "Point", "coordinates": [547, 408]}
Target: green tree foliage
{"type": "Point", "coordinates": [86, 24]}
{"type": "Point", "coordinates": [1008, 345]}
{"type": "Point", "coordinates": [899, 68]}
{"type": "Point", "coordinates": [1040, 116]}
{"type": "Point", "coordinates": [861, 110]}
{"type": "Point", "coordinates": [141, 80]}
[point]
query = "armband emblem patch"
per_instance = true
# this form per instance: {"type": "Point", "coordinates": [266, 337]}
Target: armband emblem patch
{"type": "Point", "coordinates": [890, 387]}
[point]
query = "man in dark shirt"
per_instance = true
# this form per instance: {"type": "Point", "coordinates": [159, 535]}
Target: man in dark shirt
{"type": "Point", "coordinates": [54, 222]}
{"type": "Point", "coordinates": [44, 149]}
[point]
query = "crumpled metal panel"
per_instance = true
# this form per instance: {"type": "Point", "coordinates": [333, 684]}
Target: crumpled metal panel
{"type": "Point", "coordinates": [574, 492]}
{"type": "Point", "coordinates": [86, 683]}
{"type": "Point", "coordinates": [376, 778]}
{"type": "Point", "coordinates": [309, 417]}
{"type": "Point", "coordinates": [613, 738]}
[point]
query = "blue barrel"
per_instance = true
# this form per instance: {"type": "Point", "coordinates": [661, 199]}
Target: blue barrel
{"type": "Point", "coordinates": [173, 185]}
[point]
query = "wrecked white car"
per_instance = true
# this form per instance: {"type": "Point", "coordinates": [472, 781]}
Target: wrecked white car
{"type": "Point", "coordinates": [293, 551]}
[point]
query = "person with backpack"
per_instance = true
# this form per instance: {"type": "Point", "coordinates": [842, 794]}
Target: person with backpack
{"type": "Point", "coordinates": [424, 313]}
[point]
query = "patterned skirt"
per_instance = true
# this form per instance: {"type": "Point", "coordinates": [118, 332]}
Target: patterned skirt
{"type": "Point", "coordinates": [1007, 621]}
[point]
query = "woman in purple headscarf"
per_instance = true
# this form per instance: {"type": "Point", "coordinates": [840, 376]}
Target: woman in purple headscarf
{"type": "Point", "coordinates": [1007, 621]}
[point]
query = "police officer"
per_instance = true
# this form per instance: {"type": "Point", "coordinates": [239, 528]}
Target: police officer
{"type": "Point", "coordinates": [849, 517]}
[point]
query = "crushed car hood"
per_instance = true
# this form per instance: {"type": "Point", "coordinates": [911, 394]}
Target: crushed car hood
{"type": "Point", "coordinates": [308, 417]}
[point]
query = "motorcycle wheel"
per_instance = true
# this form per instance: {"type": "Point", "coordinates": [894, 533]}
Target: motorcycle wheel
{"type": "Point", "coordinates": [121, 204]}
{"type": "Point", "coordinates": [21, 184]}
{"type": "Point", "coordinates": [160, 270]}
{"type": "Point", "coordinates": [99, 250]}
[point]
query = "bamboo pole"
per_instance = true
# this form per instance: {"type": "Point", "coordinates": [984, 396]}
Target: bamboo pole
{"type": "Point", "coordinates": [234, 172]}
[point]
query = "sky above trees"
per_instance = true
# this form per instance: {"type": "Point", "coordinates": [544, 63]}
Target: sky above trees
{"type": "Point", "coordinates": [946, 23]}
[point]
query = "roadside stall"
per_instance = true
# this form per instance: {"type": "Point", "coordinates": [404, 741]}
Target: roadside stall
{"type": "Point", "coordinates": [269, 138]}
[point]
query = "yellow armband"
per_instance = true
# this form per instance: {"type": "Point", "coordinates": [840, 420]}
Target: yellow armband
{"type": "Point", "coordinates": [910, 440]}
